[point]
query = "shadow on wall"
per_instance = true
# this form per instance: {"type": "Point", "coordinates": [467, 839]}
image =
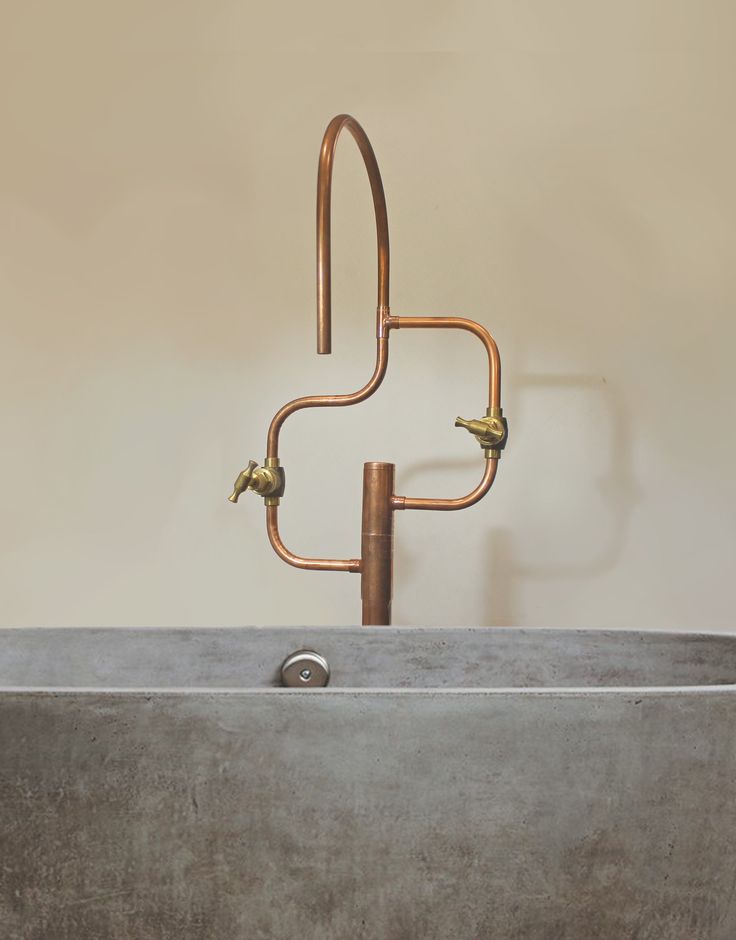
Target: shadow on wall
{"type": "Point", "coordinates": [619, 493]}
{"type": "Point", "coordinates": [507, 569]}
{"type": "Point", "coordinates": [403, 557]}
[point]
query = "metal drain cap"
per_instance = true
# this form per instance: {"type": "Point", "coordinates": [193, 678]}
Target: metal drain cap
{"type": "Point", "coordinates": [305, 669]}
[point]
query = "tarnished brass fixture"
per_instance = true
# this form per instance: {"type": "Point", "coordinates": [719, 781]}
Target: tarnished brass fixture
{"type": "Point", "coordinates": [268, 481]}
{"type": "Point", "coordinates": [379, 500]}
{"type": "Point", "coordinates": [491, 432]}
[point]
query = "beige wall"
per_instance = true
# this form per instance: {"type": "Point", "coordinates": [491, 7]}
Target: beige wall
{"type": "Point", "coordinates": [563, 172]}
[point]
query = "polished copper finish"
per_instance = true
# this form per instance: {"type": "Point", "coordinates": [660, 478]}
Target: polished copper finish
{"type": "Point", "coordinates": [377, 543]}
{"type": "Point", "coordinates": [312, 564]}
{"type": "Point", "coordinates": [324, 200]}
{"type": "Point", "coordinates": [462, 502]}
{"type": "Point", "coordinates": [327, 401]}
{"type": "Point", "coordinates": [460, 323]}
{"type": "Point", "coordinates": [379, 501]}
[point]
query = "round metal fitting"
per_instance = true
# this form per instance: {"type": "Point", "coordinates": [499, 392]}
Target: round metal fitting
{"type": "Point", "coordinates": [305, 669]}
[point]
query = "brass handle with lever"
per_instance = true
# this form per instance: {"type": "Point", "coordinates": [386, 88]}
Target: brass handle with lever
{"type": "Point", "coordinates": [491, 432]}
{"type": "Point", "coordinates": [268, 481]}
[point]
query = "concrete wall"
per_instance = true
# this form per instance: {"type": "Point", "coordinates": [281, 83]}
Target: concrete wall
{"type": "Point", "coordinates": [562, 172]}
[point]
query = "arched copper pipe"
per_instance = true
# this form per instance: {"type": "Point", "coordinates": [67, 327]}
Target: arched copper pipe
{"type": "Point", "coordinates": [460, 323]}
{"type": "Point", "coordinates": [312, 564]}
{"type": "Point", "coordinates": [489, 475]}
{"type": "Point", "coordinates": [324, 197]}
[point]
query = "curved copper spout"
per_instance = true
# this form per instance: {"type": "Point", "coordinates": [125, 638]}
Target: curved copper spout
{"type": "Point", "coordinates": [324, 198]}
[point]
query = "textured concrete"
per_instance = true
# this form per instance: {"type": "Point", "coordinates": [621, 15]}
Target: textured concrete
{"type": "Point", "coordinates": [419, 813]}
{"type": "Point", "coordinates": [382, 657]}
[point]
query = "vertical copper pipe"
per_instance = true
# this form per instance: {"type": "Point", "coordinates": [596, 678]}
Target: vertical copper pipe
{"type": "Point", "coordinates": [324, 199]}
{"type": "Point", "coordinates": [377, 543]}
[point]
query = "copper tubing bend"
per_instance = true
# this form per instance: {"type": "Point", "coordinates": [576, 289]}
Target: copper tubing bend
{"type": "Point", "coordinates": [312, 564]}
{"type": "Point", "coordinates": [489, 475]}
{"type": "Point", "coordinates": [324, 200]}
{"type": "Point", "coordinates": [460, 323]}
{"type": "Point", "coordinates": [326, 401]}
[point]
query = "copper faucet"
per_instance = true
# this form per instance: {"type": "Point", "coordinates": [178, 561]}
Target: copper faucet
{"type": "Point", "coordinates": [379, 500]}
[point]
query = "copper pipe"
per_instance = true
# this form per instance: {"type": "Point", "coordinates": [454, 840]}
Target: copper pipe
{"type": "Point", "coordinates": [326, 401]}
{"type": "Point", "coordinates": [377, 543]}
{"type": "Point", "coordinates": [379, 501]}
{"type": "Point", "coordinates": [410, 502]}
{"type": "Point", "coordinates": [324, 316]}
{"type": "Point", "coordinates": [460, 323]}
{"type": "Point", "coordinates": [324, 198]}
{"type": "Point", "coordinates": [494, 401]}
{"type": "Point", "coordinates": [313, 564]}
{"type": "Point", "coordinates": [272, 449]}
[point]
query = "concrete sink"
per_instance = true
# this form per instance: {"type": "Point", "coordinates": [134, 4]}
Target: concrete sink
{"type": "Point", "coordinates": [447, 783]}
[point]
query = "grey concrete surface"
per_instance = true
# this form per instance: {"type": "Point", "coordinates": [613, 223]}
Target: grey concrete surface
{"type": "Point", "coordinates": [449, 783]}
{"type": "Point", "coordinates": [379, 657]}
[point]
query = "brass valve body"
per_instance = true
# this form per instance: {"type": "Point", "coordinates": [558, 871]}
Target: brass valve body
{"type": "Point", "coordinates": [491, 432]}
{"type": "Point", "coordinates": [268, 481]}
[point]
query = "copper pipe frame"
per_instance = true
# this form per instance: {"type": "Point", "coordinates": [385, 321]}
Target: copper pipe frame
{"type": "Point", "coordinates": [379, 501]}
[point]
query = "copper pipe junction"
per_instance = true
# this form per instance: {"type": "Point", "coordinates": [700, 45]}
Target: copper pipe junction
{"type": "Point", "coordinates": [379, 501]}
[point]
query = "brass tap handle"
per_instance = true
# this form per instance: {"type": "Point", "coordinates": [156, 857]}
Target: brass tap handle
{"type": "Point", "coordinates": [491, 432]}
{"type": "Point", "coordinates": [268, 482]}
{"type": "Point", "coordinates": [243, 481]}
